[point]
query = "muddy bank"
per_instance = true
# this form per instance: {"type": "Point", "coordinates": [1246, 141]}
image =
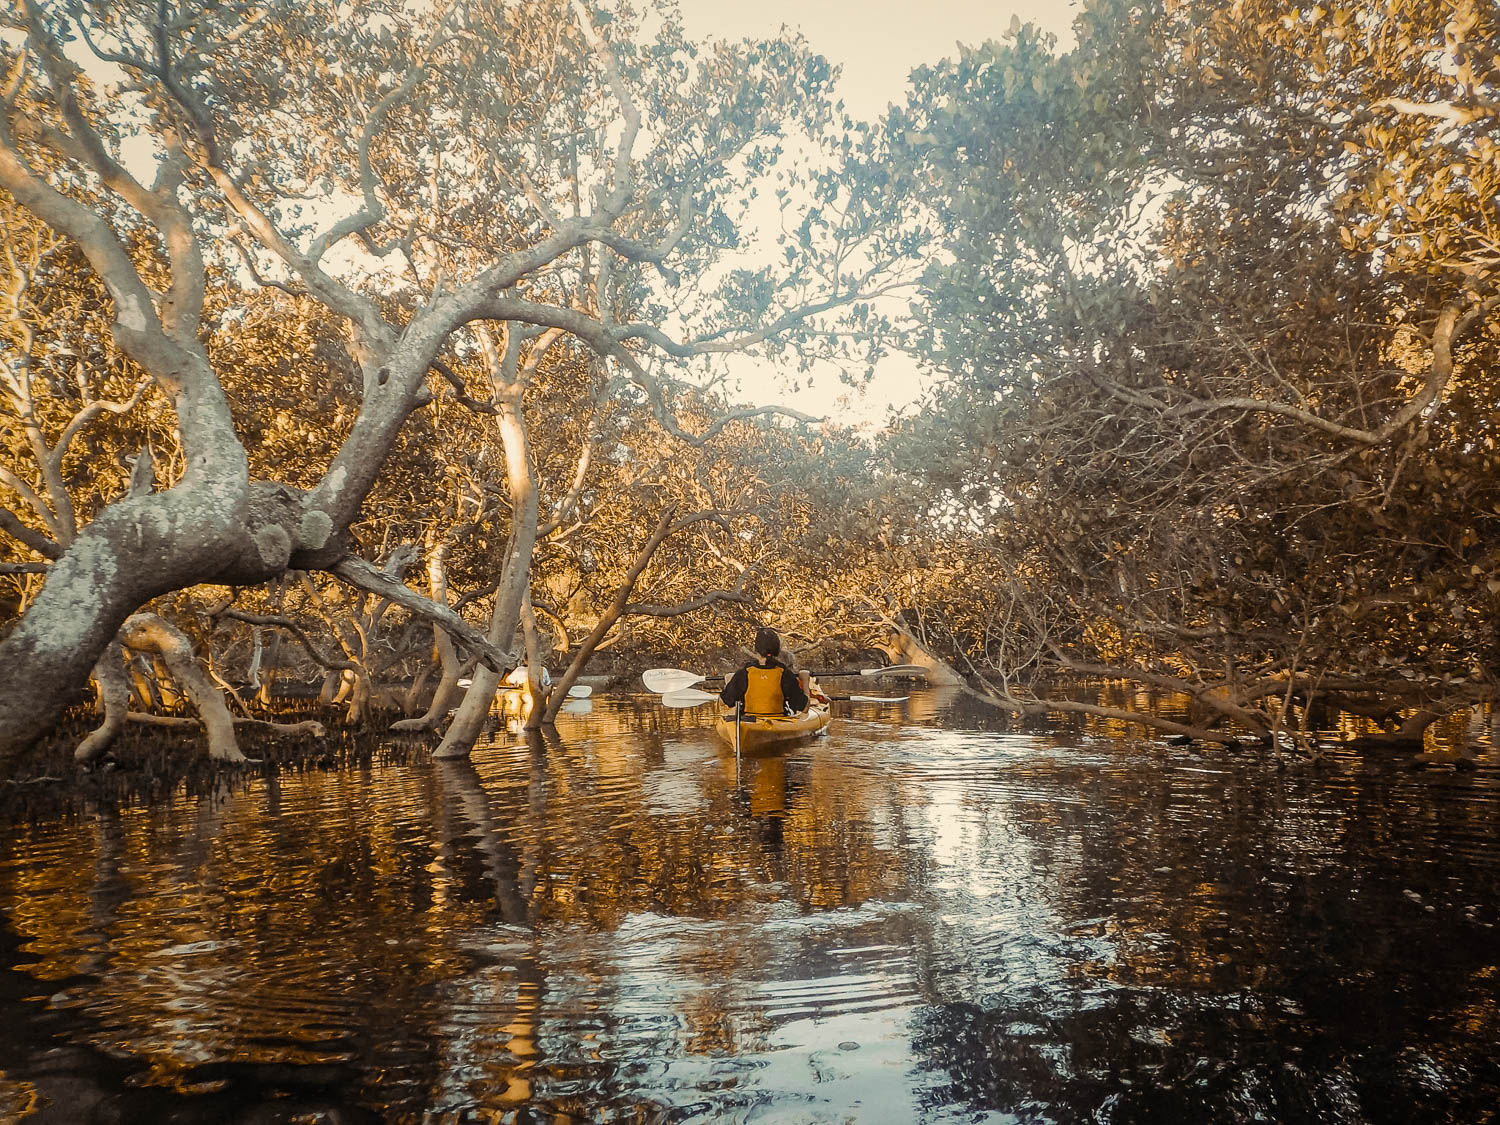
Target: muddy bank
{"type": "Point", "coordinates": [146, 764]}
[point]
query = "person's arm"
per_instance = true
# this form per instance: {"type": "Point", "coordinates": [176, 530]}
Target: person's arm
{"type": "Point", "coordinates": [734, 690]}
{"type": "Point", "coordinates": [791, 689]}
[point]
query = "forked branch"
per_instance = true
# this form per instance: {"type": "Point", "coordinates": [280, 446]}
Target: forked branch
{"type": "Point", "coordinates": [366, 576]}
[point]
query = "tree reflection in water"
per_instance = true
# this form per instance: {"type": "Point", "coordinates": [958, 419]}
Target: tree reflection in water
{"type": "Point", "coordinates": [909, 920]}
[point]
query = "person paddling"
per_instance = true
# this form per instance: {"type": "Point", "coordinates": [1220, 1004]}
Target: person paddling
{"type": "Point", "coordinates": [769, 686]}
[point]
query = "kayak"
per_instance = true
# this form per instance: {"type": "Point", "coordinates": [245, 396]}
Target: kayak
{"type": "Point", "coordinates": [760, 732]}
{"type": "Point", "coordinates": [514, 700]}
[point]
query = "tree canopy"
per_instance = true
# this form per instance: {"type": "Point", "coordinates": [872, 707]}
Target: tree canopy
{"type": "Point", "coordinates": [1218, 322]}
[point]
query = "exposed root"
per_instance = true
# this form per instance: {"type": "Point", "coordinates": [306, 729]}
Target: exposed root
{"type": "Point", "coordinates": [152, 633]}
{"type": "Point", "coordinates": [310, 727]}
{"type": "Point", "coordinates": [114, 701]}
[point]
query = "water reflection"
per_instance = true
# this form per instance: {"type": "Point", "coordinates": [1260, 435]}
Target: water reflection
{"type": "Point", "coordinates": [913, 919]}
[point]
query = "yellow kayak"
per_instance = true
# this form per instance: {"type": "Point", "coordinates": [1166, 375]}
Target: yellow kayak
{"type": "Point", "coordinates": [514, 700]}
{"type": "Point", "coordinates": [760, 732]}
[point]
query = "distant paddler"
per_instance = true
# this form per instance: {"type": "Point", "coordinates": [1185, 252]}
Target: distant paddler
{"type": "Point", "coordinates": [513, 697]}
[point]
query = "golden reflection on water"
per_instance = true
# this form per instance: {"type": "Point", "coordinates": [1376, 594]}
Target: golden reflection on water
{"type": "Point", "coordinates": [913, 918]}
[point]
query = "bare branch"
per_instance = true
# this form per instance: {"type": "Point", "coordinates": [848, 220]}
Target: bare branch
{"type": "Point", "coordinates": [656, 253]}
{"type": "Point", "coordinates": [528, 186]}
{"type": "Point", "coordinates": [38, 505]}
{"type": "Point", "coordinates": [365, 576]}
{"type": "Point", "coordinates": [310, 727]}
{"type": "Point", "coordinates": [134, 313]}
{"type": "Point", "coordinates": [657, 395]}
{"type": "Point", "coordinates": [740, 341]}
{"type": "Point", "coordinates": [602, 340]}
{"type": "Point", "coordinates": [1442, 111]}
{"type": "Point", "coordinates": [257, 277]}
{"type": "Point", "coordinates": [277, 622]}
{"type": "Point", "coordinates": [38, 542]}
{"type": "Point", "coordinates": [94, 409]}
{"type": "Point", "coordinates": [1452, 323]}
{"type": "Point", "coordinates": [183, 304]}
{"type": "Point", "coordinates": [373, 210]}
{"type": "Point", "coordinates": [360, 310]}
{"type": "Point", "coordinates": [461, 392]}
{"type": "Point", "coordinates": [624, 182]}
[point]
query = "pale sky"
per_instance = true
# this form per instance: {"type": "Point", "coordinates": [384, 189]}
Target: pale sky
{"type": "Point", "coordinates": [877, 43]}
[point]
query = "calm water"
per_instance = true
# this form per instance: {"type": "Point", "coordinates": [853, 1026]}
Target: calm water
{"type": "Point", "coordinates": [915, 920]}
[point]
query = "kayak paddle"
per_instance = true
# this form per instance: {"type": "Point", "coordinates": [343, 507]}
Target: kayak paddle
{"type": "Point", "coordinates": [663, 680]}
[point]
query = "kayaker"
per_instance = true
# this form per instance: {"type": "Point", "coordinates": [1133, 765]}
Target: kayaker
{"type": "Point", "coordinates": [519, 675]}
{"type": "Point", "coordinates": [767, 687]}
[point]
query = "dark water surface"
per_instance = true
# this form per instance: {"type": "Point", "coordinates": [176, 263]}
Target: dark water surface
{"type": "Point", "coordinates": [914, 920]}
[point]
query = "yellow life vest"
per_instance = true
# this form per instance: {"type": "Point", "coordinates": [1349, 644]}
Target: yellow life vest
{"type": "Point", "coordinates": [763, 691]}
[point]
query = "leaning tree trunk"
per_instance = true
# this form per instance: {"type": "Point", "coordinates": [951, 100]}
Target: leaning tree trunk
{"type": "Point", "coordinates": [611, 615]}
{"type": "Point", "coordinates": [136, 550]}
{"type": "Point", "coordinates": [468, 723]}
{"type": "Point", "coordinates": [214, 525]}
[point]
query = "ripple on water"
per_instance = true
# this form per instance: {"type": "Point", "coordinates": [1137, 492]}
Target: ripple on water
{"type": "Point", "coordinates": [893, 923]}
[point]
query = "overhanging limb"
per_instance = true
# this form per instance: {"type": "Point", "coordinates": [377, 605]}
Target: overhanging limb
{"type": "Point", "coordinates": [370, 578]}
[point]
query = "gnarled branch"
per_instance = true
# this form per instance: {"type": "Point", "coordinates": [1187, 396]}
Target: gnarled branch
{"type": "Point", "coordinates": [277, 622]}
{"type": "Point", "coordinates": [365, 576]}
{"type": "Point", "coordinates": [1452, 323]}
{"type": "Point", "coordinates": [42, 544]}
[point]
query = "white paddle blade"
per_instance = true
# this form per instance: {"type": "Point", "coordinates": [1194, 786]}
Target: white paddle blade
{"type": "Point", "coordinates": [895, 670]}
{"type": "Point", "coordinates": [580, 691]}
{"type": "Point", "coordinates": [663, 680]}
{"type": "Point", "coordinates": [465, 682]}
{"type": "Point", "coordinates": [873, 698]}
{"type": "Point", "coordinates": [687, 697]}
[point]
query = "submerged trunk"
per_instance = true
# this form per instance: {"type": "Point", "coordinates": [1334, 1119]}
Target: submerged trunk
{"type": "Point", "coordinates": [468, 723]}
